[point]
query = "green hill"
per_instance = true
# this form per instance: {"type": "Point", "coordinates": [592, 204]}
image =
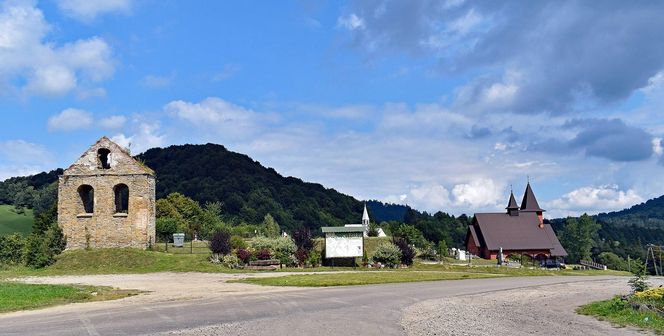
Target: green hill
{"type": "Point", "coordinates": [649, 214]}
{"type": "Point", "coordinates": [12, 220]}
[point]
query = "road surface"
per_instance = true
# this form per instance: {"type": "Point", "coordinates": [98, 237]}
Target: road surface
{"type": "Point", "coordinates": [391, 309]}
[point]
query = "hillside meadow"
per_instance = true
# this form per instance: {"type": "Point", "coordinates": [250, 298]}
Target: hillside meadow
{"type": "Point", "coordinates": [15, 221]}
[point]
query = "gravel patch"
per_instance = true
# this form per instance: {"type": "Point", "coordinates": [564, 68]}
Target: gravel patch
{"type": "Point", "coordinates": [548, 310]}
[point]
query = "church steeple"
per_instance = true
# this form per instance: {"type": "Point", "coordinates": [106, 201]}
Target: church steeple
{"type": "Point", "coordinates": [529, 203]}
{"type": "Point", "coordinates": [512, 208]}
{"type": "Point", "coordinates": [365, 219]}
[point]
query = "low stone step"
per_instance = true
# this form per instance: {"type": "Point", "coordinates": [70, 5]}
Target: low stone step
{"type": "Point", "coordinates": [261, 268]}
{"type": "Point", "coordinates": [270, 262]}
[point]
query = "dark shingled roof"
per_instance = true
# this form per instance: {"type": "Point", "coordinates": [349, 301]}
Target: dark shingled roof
{"type": "Point", "coordinates": [516, 233]}
{"type": "Point", "coordinates": [529, 202]}
{"type": "Point", "coordinates": [473, 235]}
{"type": "Point", "coordinates": [511, 205]}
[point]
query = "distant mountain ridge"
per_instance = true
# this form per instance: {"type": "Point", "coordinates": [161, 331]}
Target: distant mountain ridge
{"type": "Point", "coordinates": [649, 214]}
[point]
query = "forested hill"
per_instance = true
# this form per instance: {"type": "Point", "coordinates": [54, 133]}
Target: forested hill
{"type": "Point", "coordinates": [248, 190]}
{"type": "Point", "coordinates": [649, 214]}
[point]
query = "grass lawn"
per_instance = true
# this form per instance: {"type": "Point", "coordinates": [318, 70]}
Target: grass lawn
{"type": "Point", "coordinates": [418, 272]}
{"type": "Point", "coordinates": [115, 261]}
{"type": "Point", "coordinates": [19, 296]}
{"type": "Point", "coordinates": [619, 313]}
{"type": "Point", "coordinates": [362, 278]}
{"type": "Point", "coordinates": [11, 222]}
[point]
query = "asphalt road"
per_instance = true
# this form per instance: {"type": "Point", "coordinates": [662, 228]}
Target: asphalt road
{"type": "Point", "coordinates": [357, 310]}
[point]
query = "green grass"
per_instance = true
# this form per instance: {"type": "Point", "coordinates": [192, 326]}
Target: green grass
{"type": "Point", "coordinates": [20, 296]}
{"type": "Point", "coordinates": [418, 272]}
{"type": "Point", "coordinates": [115, 261]}
{"type": "Point", "coordinates": [11, 221]}
{"type": "Point", "coordinates": [361, 278]}
{"type": "Point", "coordinates": [621, 314]}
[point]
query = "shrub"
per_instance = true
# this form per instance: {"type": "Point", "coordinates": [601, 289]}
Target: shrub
{"type": "Point", "coordinates": [221, 242]}
{"type": "Point", "coordinates": [11, 249]}
{"type": "Point", "coordinates": [639, 283]}
{"type": "Point", "coordinates": [166, 227]}
{"type": "Point", "coordinates": [428, 252]}
{"type": "Point", "coordinates": [231, 261]}
{"type": "Point", "coordinates": [613, 261]}
{"type": "Point", "coordinates": [244, 255]}
{"type": "Point", "coordinates": [407, 251]}
{"type": "Point", "coordinates": [655, 294]}
{"type": "Point", "coordinates": [40, 249]}
{"type": "Point", "coordinates": [301, 255]}
{"type": "Point", "coordinates": [314, 259]}
{"type": "Point", "coordinates": [263, 254]}
{"type": "Point", "coordinates": [303, 240]}
{"type": "Point", "coordinates": [281, 245]}
{"type": "Point", "coordinates": [387, 254]}
{"type": "Point", "coordinates": [238, 243]}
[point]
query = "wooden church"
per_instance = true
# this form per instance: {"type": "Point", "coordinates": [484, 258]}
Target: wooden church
{"type": "Point", "coordinates": [519, 230]}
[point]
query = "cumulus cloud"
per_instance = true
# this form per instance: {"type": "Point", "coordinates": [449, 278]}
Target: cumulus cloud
{"type": "Point", "coordinates": [594, 200]}
{"type": "Point", "coordinates": [217, 115]}
{"type": "Point", "coordinates": [87, 11]}
{"type": "Point", "coordinates": [69, 120]}
{"type": "Point", "coordinates": [42, 67]}
{"type": "Point", "coordinates": [554, 47]}
{"type": "Point", "coordinates": [145, 136]}
{"type": "Point", "coordinates": [479, 193]}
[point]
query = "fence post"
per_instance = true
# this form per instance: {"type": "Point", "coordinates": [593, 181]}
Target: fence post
{"type": "Point", "coordinates": [166, 244]}
{"type": "Point", "coordinates": [192, 246]}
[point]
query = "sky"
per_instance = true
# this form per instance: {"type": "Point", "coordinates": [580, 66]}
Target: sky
{"type": "Point", "coordinates": [441, 105]}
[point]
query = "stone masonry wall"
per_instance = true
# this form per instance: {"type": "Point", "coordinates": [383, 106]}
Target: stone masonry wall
{"type": "Point", "coordinates": [104, 227]}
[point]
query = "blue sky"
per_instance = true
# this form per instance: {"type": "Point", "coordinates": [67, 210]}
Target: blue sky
{"type": "Point", "coordinates": [442, 105]}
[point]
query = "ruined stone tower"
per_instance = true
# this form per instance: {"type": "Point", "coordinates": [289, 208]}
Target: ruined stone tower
{"type": "Point", "coordinates": [107, 199]}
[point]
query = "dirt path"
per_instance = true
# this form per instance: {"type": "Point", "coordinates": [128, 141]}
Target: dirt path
{"type": "Point", "coordinates": [170, 286]}
{"type": "Point", "coordinates": [544, 310]}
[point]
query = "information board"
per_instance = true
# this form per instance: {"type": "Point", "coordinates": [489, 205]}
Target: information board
{"type": "Point", "coordinates": [343, 244]}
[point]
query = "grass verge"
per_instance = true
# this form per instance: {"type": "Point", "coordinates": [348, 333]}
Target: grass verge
{"type": "Point", "coordinates": [124, 261]}
{"type": "Point", "coordinates": [19, 296]}
{"type": "Point", "coordinates": [620, 313]}
{"type": "Point", "coordinates": [361, 278]}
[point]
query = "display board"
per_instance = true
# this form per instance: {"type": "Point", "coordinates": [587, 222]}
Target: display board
{"type": "Point", "coordinates": [343, 244]}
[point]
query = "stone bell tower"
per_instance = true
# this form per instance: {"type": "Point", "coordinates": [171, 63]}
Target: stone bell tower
{"type": "Point", "coordinates": [107, 199]}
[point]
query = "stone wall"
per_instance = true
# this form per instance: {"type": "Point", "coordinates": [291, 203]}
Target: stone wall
{"type": "Point", "coordinates": [104, 227]}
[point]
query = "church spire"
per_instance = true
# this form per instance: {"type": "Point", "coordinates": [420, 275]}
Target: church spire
{"type": "Point", "coordinates": [529, 203]}
{"type": "Point", "coordinates": [512, 207]}
{"type": "Point", "coordinates": [365, 219]}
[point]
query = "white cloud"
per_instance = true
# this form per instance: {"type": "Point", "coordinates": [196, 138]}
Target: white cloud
{"type": "Point", "coordinates": [146, 136]}
{"type": "Point", "coordinates": [42, 67]}
{"type": "Point", "coordinates": [113, 122]}
{"type": "Point", "coordinates": [87, 10]}
{"type": "Point", "coordinates": [430, 197]}
{"type": "Point", "coordinates": [657, 146]}
{"type": "Point", "coordinates": [594, 200]}
{"type": "Point", "coordinates": [350, 22]}
{"type": "Point", "coordinates": [217, 115]}
{"type": "Point", "coordinates": [69, 120]}
{"type": "Point", "coordinates": [478, 193]}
